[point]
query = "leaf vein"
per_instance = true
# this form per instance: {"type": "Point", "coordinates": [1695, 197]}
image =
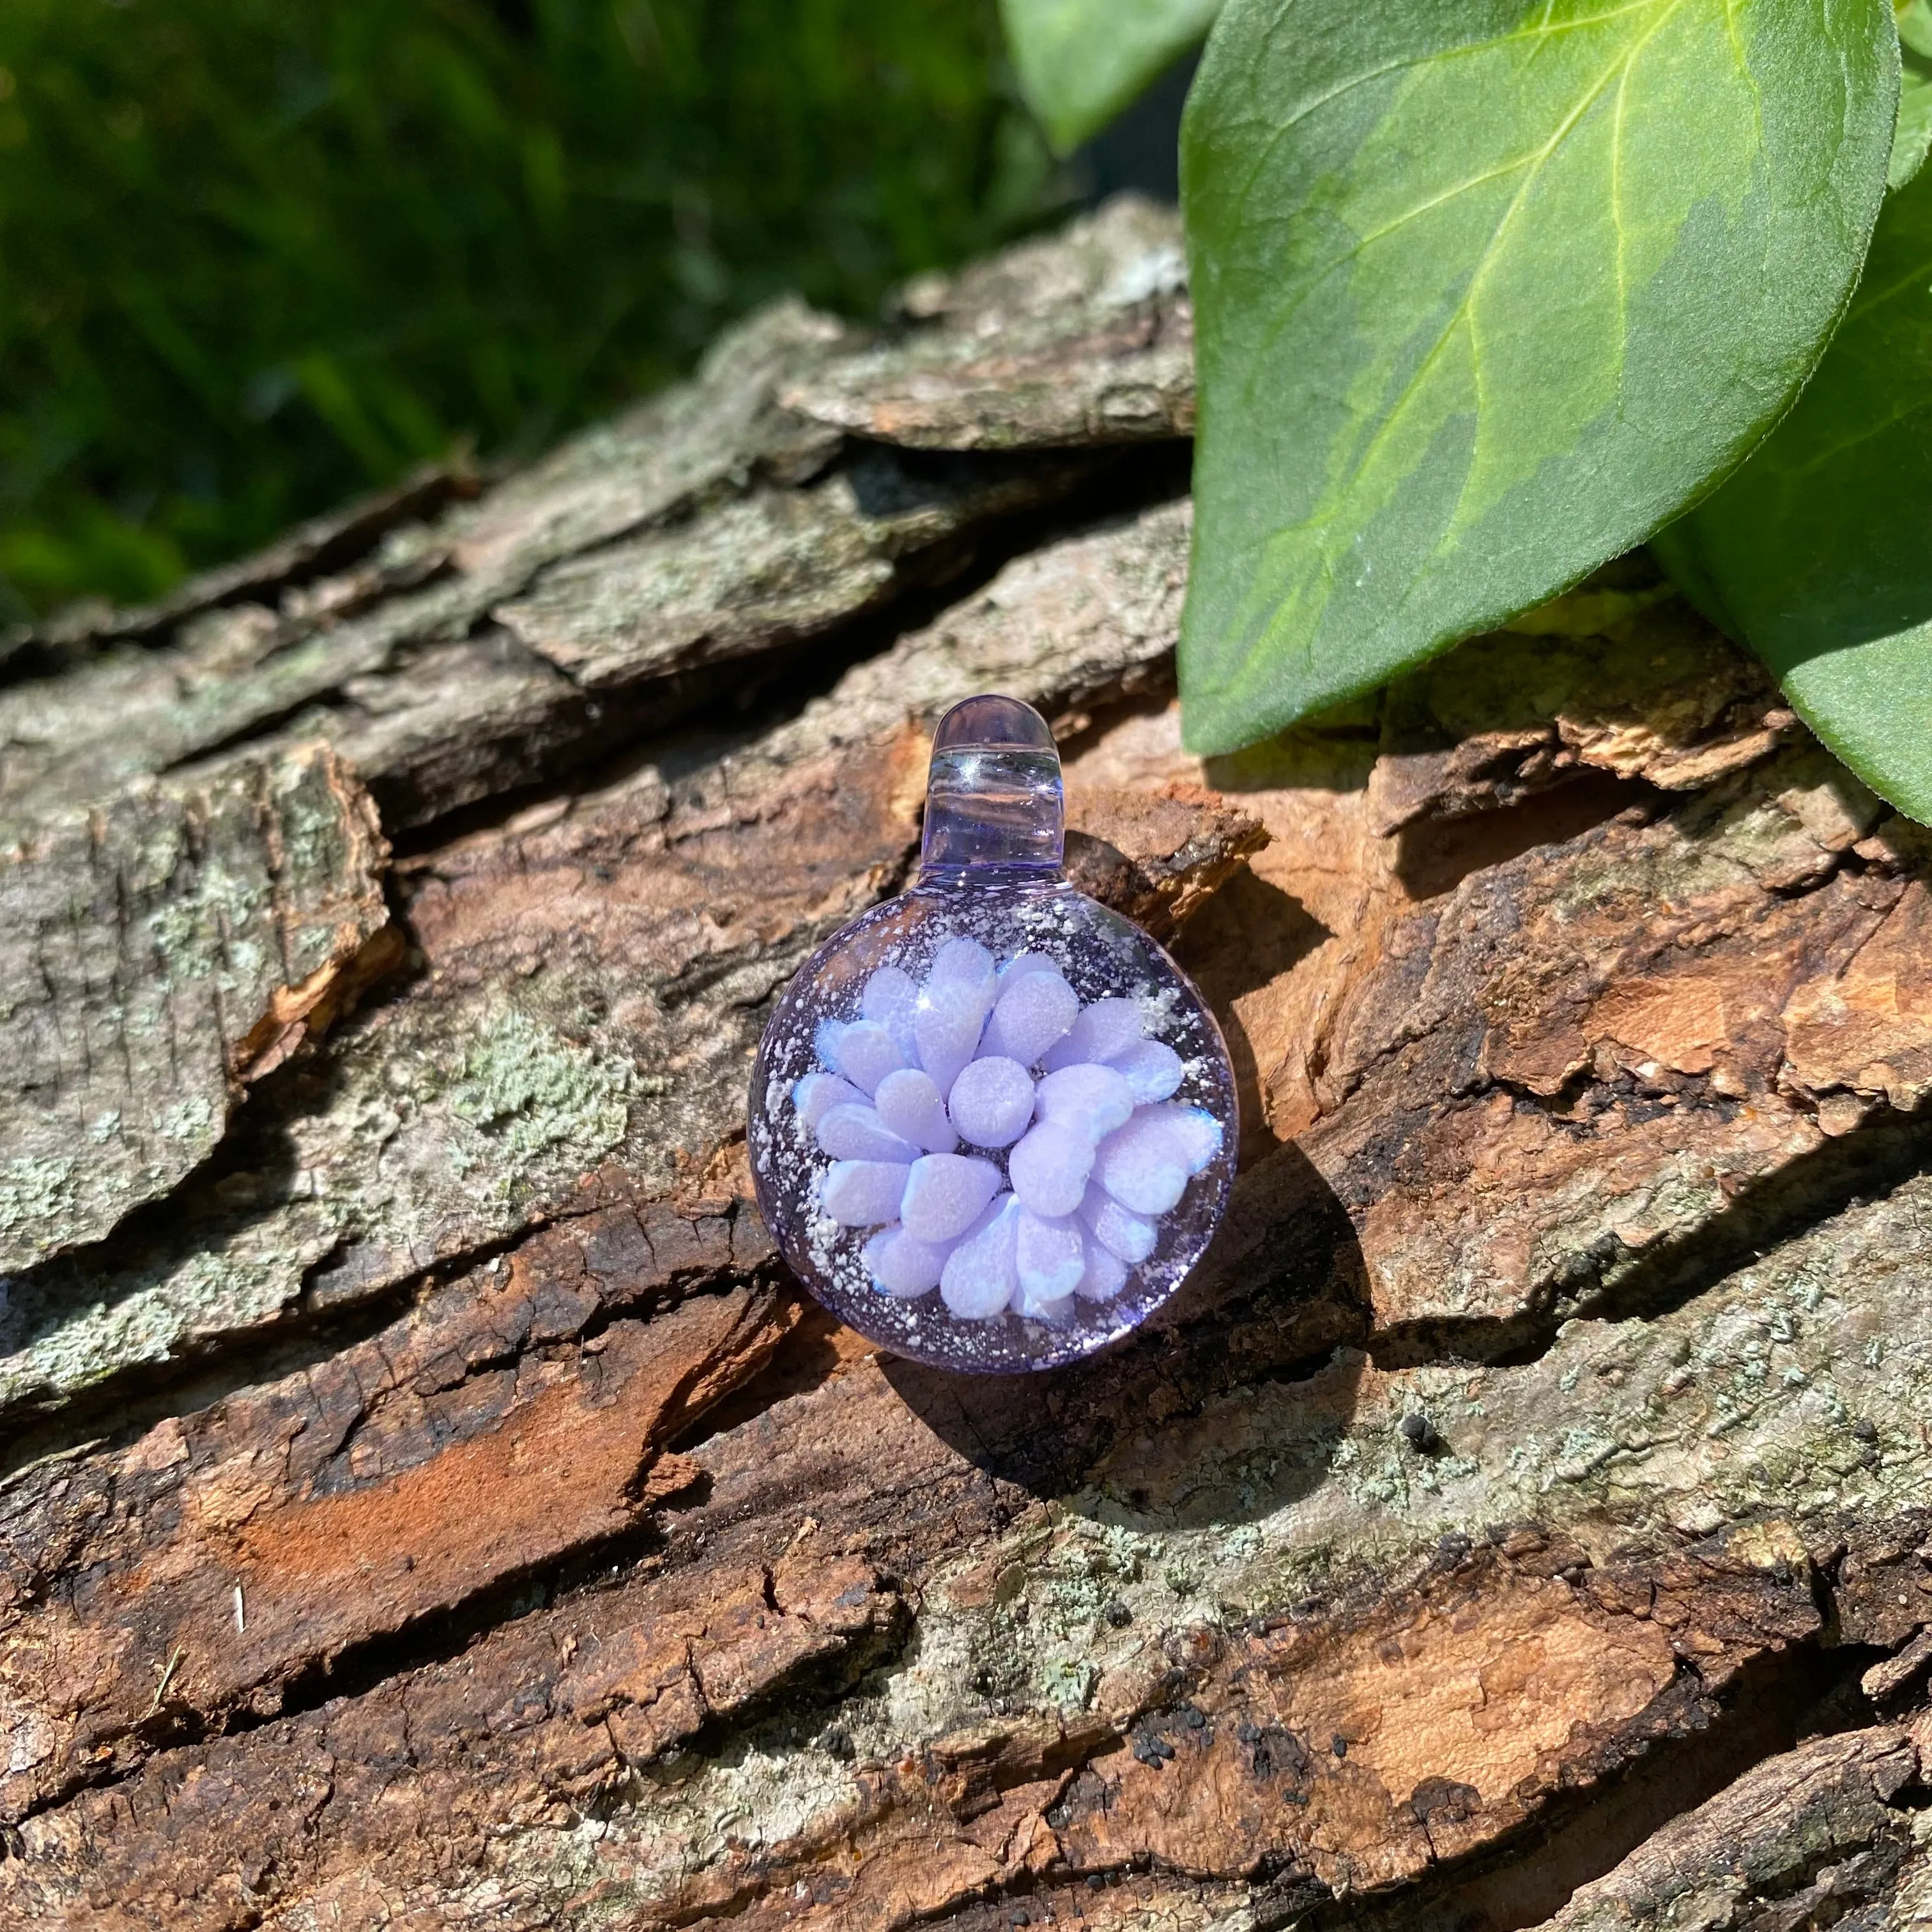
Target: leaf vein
{"type": "Point", "coordinates": [1465, 307]}
{"type": "Point", "coordinates": [1543, 29]}
{"type": "Point", "coordinates": [1279, 326]}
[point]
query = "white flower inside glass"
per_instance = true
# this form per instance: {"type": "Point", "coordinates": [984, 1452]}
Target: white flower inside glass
{"type": "Point", "coordinates": [992, 1123]}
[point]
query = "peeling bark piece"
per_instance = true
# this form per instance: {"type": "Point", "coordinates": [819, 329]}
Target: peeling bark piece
{"type": "Point", "coordinates": [1619, 675]}
{"type": "Point", "coordinates": [322, 546]}
{"type": "Point", "coordinates": [675, 449]}
{"type": "Point", "coordinates": [772, 567]}
{"type": "Point", "coordinates": [1615, 1035]}
{"type": "Point", "coordinates": [1883, 1682]}
{"type": "Point", "coordinates": [1157, 858]}
{"type": "Point", "coordinates": [1086, 337]}
{"type": "Point", "coordinates": [468, 722]}
{"type": "Point", "coordinates": [236, 671]}
{"type": "Point", "coordinates": [1884, 1581]}
{"type": "Point", "coordinates": [1865, 1026]}
{"type": "Point", "coordinates": [228, 676]}
{"type": "Point", "coordinates": [1802, 1839]}
{"type": "Point", "coordinates": [476, 1439]}
{"type": "Point", "coordinates": [1091, 619]}
{"type": "Point", "coordinates": [161, 953]}
{"type": "Point", "coordinates": [450, 724]}
{"type": "Point", "coordinates": [1425, 1731]}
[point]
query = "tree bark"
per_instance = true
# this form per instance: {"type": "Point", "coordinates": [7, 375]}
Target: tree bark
{"type": "Point", "coordinates": [430, 1502]}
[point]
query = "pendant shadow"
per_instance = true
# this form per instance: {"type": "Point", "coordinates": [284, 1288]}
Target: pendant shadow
{"type": "Point", "coordinates": [1282, 1287]}
{"type": "Point", "coordinates": [1249, 934]}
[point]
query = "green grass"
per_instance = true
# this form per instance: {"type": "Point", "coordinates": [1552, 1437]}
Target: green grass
{"type": "Point", "coordinates": [256, 255]}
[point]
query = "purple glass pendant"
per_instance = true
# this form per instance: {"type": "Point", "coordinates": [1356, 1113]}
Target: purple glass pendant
{"type": "Point", "coordinates": [992, 1124]}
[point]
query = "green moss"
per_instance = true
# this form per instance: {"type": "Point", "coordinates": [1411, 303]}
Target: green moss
{"type": "Point", "coordinates": [188, 1120]}
{"type": "Point", "coordinates": [56, 1337]}
{"type": "Point", "coordinates": [34, 1192]}
{"type": "Point", "coordinates": [535, 1095]}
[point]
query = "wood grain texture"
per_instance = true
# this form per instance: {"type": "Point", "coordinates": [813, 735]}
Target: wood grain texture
{"type": "Point", "coordinates": [436, 1508]}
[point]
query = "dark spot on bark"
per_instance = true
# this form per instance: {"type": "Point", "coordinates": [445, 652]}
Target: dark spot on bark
{"type": "Point", "coordinates": [1442, 1797]}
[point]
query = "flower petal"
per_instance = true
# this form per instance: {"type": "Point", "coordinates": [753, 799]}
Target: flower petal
{"type": "Point", "coordinates": [903, 1267]}
{"type": "Point", "coordinates": [1048, 1259]}
{"type": "Point", "coordinates": [1048, 1168]}
{"type": "Point", "coordinates": [946, 1025]}
{"type": "Point", "coordinates": [817, 1094]}
{"type": "Point", "coordinates": [1091, 1100]}
{"type": "Point", "coordinates": [857, 1133]}
{"type": "Point", "coordinates": [963, 962]}
{"type": "Point", "coordinates": [1117, 1229]}
{"type": "Point", "coordinates": [867, 1053]}
{"type": "Point", "coordinates": [1104, 1275]}
{"type": "Point", "coordinates": [1055, 1314]}
{"type": "Point", "coordinates": [945, 1193]}
{"type": "Point", "coordinates": [1199, 1132]}
{"type": "Point", "coordinates": [825, 1043]}
{"type": "Point", "coordinates": [1021, 964]}
{"type": "Point", "coordinates": [1104, 1031]}
{"type": "Point", "coordinates": [1152, 1069]}
{"type": "Point", "coordinates": [863, 1193]}
{"type": "Point", "coordinates": [1034, 1011]}
{"type": "Point", "coordinates": [992, 1101]}
{"type": "Point", "coordinates": [910, 1105]}
{"type": "Point", "coordinates": [889, 996]}
{"type": "Point", "coordinates": [979, 1279]}
{"type": "Point", "coordinates": [1145, 1165]}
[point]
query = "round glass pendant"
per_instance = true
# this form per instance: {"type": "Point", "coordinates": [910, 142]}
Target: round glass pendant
{"type": "Point", "coordinates": [992, 1124]}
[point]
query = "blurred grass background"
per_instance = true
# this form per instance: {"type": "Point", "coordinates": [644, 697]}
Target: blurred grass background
{"type": "Point", "coordinates": [258, 255]}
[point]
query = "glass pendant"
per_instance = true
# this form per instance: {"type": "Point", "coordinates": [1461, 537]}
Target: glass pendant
{"type": "Point", "coordinates": [992, 1124]}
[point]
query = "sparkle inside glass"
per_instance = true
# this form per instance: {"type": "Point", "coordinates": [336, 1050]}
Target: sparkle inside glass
{"type": "Point", "coordinates": [991, 1123]}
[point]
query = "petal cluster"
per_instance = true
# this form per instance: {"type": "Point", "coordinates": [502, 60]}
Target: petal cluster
{"type": "Point", "coordinates": [1013, 1148]}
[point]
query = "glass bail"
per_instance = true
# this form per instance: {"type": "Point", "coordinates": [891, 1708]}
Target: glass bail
{"type": "Point", "coordinates": [994, 800]}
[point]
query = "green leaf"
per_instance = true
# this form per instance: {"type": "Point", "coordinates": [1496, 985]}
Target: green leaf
{"type": "Point", "coordinates": [1485, 291]}
{"type": "Point", "coordinates": [1913, 132]}
{"type": "Point", "coordinates": [1816, 552]}
{"type": "Point", "coordinates": [1081, 61]}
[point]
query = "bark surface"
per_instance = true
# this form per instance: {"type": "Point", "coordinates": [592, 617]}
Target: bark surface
{"type": "Point", "coordinates": [428, 1501]}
